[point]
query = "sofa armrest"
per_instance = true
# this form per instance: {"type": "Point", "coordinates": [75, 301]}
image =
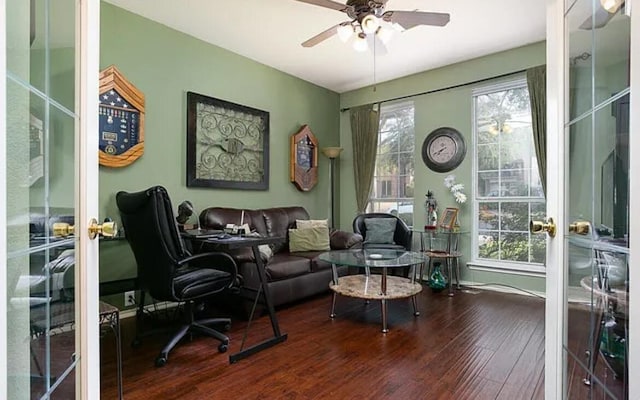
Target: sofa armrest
{"type": "Point", "coordinates": [340, 240]}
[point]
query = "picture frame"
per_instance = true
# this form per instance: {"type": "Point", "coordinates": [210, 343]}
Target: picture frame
{"type": "Point", "coordinates": [303, 159]}
{"type": "Point", "coordinates": [227, 144]}
{"type": "Point", "coordinates": [448, 219]}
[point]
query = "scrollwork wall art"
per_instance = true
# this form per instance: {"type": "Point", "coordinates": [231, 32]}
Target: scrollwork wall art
{"type": "Point", "coordinates": [227, 144]}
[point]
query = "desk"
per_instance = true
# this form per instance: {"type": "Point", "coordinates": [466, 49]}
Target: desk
{"type": "Point", "coordinates": [235, 242]}
{"type": "Point", "coordinates": [442, 244]}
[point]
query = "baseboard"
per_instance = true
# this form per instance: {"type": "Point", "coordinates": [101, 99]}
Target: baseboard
{"type": "Point", "coordinates": [502, 288]}
{"type": "Point", "coordinates": [131, 312]}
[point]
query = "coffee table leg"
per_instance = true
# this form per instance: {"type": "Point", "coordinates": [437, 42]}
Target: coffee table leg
{"type": "Point", "coordinates": [415, 306]}
{"type": "Point", "coordinates": [383, 303]}
{"type": "Point", "coordinates": [333, 306]}
{"type": "Point", "coordinates": [383, 292]}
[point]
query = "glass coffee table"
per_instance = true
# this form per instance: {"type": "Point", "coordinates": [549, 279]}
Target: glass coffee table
{"type": "Point", "coordinates": [379, 286]}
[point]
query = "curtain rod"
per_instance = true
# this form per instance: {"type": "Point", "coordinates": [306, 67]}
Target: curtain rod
{"type": "Point", "coordinates": [445, 88]}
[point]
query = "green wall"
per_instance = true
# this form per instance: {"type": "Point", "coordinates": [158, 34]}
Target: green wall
{"type": "Point", "coordinates": [165, 64]}
{"type": "Point", "coordinates": [446, 108]}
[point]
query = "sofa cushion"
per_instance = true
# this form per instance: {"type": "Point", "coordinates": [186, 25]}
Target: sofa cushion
{"type": "Point", "coordinates": [285, 265]}
{"type": "Point", "coordinates": [312, 223]}
{"type": "Point", "coordinates": [277, 222]}
{"type": "Point", "coordinates": [309, 239]}
{"type": "Point", "coordinates": [380, 230]}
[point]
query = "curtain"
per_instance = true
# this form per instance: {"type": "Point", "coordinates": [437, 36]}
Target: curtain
{"type": "Point", "coordinates": [537, 82]}
{"type": "Point", "coordinates": [364, 134]}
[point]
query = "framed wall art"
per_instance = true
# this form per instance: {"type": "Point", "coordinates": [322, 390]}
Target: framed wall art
{"type": "Point", "coordinates": [227, 144]}
{"type": "Point", "coordinates": [303, 161]}
{"type": "Point", "coordinates": [121, 119]}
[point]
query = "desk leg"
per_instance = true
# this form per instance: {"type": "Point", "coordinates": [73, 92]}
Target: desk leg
{"type": "Point", "coordinates": [277, 336]}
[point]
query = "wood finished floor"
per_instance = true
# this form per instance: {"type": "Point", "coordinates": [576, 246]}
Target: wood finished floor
{"type": "Point", "coordinates": [476, 345]}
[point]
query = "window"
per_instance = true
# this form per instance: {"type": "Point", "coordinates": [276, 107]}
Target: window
{"type": "Point", "coordinates": [393, 180]}
{"type": "Point", "coordinates": [507, 192]}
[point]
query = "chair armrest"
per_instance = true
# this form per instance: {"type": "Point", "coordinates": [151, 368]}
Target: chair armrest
{"type": "Point", "coordinates": [213, 260]}
{"type": "Point", "coordinates": [340, 240]}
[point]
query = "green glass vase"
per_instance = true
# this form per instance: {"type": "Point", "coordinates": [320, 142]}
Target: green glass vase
{"type": "Point", "coordinates": [437, 280]}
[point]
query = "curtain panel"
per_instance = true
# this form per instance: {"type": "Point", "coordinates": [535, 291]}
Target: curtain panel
{"type": "Point", "coordinates": [365, 122]}
{"type": "Point", "coordinates": [537, 85]}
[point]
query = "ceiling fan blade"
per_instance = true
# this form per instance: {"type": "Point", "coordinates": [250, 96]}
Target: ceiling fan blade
{"type": "Point", "coordinates": [409, 19]}
{"type": "Point", "coordinates": [322, 36]}
{"type": "Point", "coordinates": [327, 4]}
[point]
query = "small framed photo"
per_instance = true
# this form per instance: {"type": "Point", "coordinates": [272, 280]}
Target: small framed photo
{"type": "Point", "coordinates": [448, 219]}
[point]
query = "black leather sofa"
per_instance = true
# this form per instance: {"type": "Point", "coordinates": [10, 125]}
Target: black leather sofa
{"type": "Point", "coordinates": [291, 276]}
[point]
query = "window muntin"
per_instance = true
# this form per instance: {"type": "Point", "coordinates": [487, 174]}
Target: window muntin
{"type": "Point", "coordinates": [393, 181]}
{"type": "Point", "coordinates": [507, 188]}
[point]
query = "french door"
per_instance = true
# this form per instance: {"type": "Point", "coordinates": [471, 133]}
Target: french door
{"type": "Point", "coordinates": [49, 286]}
{"type": "Point", "coordinates": [591, 189]}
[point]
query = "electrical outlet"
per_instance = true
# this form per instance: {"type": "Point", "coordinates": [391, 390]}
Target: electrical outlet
{"type": "Point", "coordinates": [130, 298]}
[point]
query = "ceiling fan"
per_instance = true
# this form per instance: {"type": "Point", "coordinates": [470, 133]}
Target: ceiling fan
{"type": "Point", "coordinates": [368, 17]}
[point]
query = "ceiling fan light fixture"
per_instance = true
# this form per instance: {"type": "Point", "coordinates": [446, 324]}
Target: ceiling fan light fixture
{"type": "Point", "coordinates": [370, 23]}
{"type": "Point", "coordinates": [360, 43]}
{"type": "Point", "coordinates": [345, 32]}
{"type": "Point", "coordinates": [384, 34]}
{"type": "Point", "coordinates": [611, 5]}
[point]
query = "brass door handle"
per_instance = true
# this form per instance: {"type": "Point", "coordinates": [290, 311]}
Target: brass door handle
{"type": "Point", "coordinates": [543, 226]}
{"type": "Point", "coordinates": [62, 229]}
{"type": "Point", "coordinates": [106, 229]}
{"type": "Point", "coordinates": [580, 227]}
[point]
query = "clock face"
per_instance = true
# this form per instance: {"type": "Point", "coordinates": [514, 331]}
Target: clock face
{"type": "Point", "coordinates": [443, 149]}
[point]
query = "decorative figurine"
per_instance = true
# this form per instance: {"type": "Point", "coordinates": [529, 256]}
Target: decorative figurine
{"type": "Point", "coordinates": [431, 205]}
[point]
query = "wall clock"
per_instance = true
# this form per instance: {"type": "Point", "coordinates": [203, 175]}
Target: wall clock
{"type": "Point", "coordinates": [121, 120]}
{"type": "Point", "coordinates": [443, 149]}
{"type": "Point", "coordinates": [304, 159]}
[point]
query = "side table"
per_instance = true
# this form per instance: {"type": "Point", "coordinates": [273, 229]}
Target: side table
{"type": "Point", "coordinates": [442, 244]}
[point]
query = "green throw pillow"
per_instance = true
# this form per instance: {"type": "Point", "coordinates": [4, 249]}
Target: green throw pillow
{"type": "Point", "coordinates": [309, 239]}
{"type": "Point", "coordinates": [380, 230]}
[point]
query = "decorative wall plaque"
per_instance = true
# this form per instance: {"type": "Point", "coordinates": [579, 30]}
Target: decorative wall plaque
{"type": "Point", "coordinates": [304, 159]}
{"type": "Point", "coordinates": [227, 144]}
{"type": "Point", "coordinates": [121, 120]}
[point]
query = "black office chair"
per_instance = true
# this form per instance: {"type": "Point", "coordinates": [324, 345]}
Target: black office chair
{"type": "Point", "coordinates": [166, 270]}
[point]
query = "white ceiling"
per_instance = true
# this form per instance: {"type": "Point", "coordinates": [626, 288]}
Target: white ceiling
{"type": "Point", "coordinates": [270, 32]}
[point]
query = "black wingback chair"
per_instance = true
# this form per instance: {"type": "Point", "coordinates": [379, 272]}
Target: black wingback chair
{"type": "Point", "coordinates": [166, 270]}
{"type": "Point", "coordinates": [401, 237]}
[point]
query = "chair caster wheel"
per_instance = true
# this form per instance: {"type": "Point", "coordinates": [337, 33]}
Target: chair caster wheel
{"type": "Point", "coordinates": [226, 327]}
{"type": "Point", "coordinates": [161, 361]}
{"type": "Point", "coordinates": [223, 347]}
{"type": "Point", "coordinates": [135, 343]}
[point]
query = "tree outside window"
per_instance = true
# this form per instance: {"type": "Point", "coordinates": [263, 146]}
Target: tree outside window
{"type": "Point", "coordinates": [393, 182]}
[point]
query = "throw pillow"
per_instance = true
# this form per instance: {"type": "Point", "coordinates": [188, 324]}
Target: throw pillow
{"type": "Point", "coordinates": [312, 223]}
{"type": "Point", "coordinates": [380, 230]}
{"type": "Point", "coordinates": [309, 239]}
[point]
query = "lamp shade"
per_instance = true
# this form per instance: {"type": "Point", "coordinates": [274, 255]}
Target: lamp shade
{"type": "Point", "coordinates": [331, 152]}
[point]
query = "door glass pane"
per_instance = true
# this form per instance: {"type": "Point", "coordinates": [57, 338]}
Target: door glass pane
{"type": "Point", "coordinates": [580, 21]}
{"type": "Point", "coordinates": [61, 69]}
{"type": "Point", "coordinates": [611, 54]}
{"type": "Point", "coordinates": [597, 202]}
{"type": "Point", "coordinates": [40, 192]}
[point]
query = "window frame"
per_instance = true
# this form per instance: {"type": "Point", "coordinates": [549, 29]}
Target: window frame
{"type": "Point", "coordinates": [373, 199]}
{"type": "Point", "coordinates": [477, 263]}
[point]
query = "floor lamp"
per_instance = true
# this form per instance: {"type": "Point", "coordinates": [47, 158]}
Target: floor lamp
{"type": "Point", "coordinates": [332, 153]}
